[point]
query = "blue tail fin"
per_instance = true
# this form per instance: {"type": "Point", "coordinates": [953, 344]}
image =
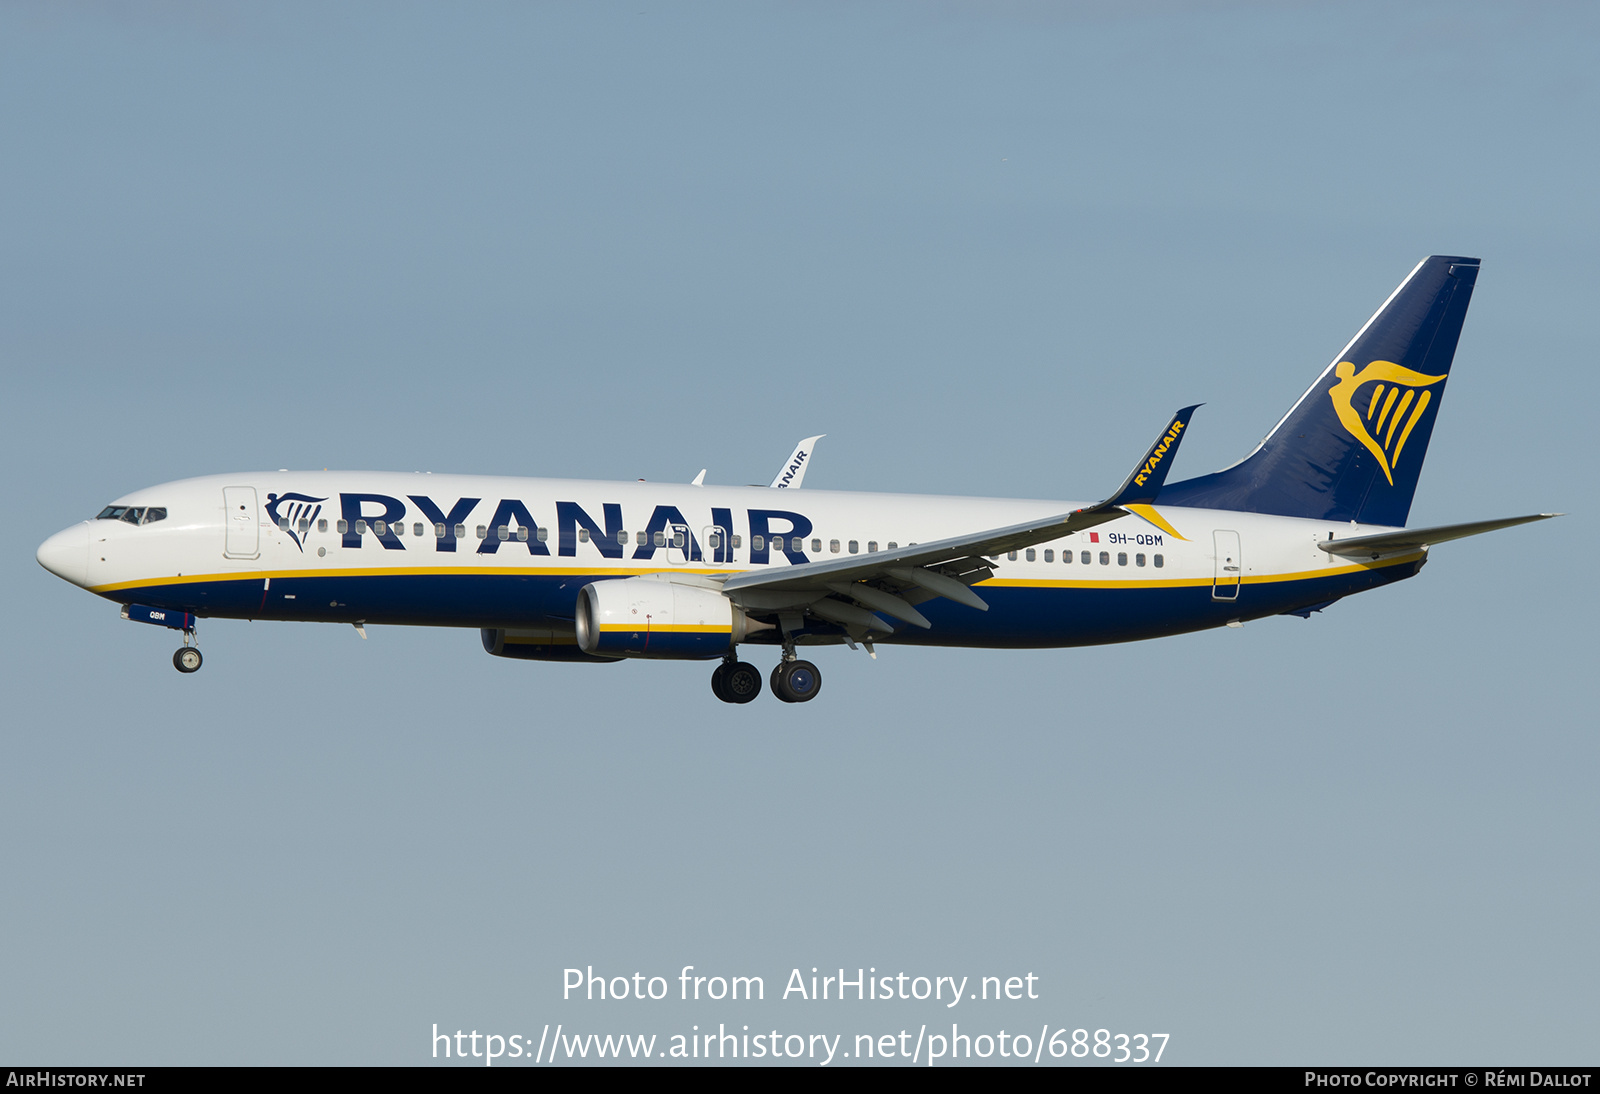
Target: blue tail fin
{"type": "Point", "coordinates": [1352, 447]}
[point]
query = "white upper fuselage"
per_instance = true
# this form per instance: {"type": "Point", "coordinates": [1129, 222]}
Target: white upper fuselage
{"type": "Point", "coordinates": [218, 532]}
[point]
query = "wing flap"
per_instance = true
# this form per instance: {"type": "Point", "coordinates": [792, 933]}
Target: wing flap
{"type": "Point", "coordinates": [948, 566]}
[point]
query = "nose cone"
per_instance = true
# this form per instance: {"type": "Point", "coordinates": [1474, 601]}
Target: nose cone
{"type": "Point", "coordinates": [66, 554]}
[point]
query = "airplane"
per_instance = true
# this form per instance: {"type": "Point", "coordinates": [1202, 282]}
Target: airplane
{"type": "Point", "coordinates": [594, 572]}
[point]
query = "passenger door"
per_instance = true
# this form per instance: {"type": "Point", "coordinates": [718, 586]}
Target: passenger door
{"type": "Point", "coordinates": [242, 535]}
{"type": "Point", "coordinates": [1225, 586]}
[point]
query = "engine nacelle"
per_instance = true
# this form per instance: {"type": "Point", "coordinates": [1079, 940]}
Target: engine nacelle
{"type": "Point", "coordinates": [653, 617]}
{"type": "Point", "coordinates": [537, 645]}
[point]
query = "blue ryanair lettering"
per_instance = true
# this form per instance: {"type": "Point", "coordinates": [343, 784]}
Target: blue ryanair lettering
{"type": "Point", "coordinates": [509, 512]}
{"type": "Point", "coordinates": [761, 532]}
{"type": "Point", "coordinates": [570, 515]}
{"type": "Point", "coordinates": [659, 520]}
{"type": "Point", "coordinates": [723, 519]}
{"type": "Point", "coordinates": [350, 509]}
{"type": "Point", "coordinates": [459, 512]}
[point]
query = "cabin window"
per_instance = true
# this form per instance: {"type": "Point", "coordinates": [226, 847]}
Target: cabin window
{"type": "Point", "coordinates": [1159, 561]}
{"type": "Point", "coordinates": [855, 547]}
{"type": "Point", "coordinates": [322, 525]}
{"type": "Point", "coordinates": [1030, 555]}
{"type": "Point", "coordinates": [417, 529]}
{"type": "Point", "coordinates": [541, 534]}
{"type": "Point", "coordinates": [283, 523]}
{"type": "Point", "coordinates": [893, 545]}
{"type": "Point", "coordinates": [661, 539]}
{"type": "Point", "coordinates": [992, 558]}
{"type": "Point", "coordinates": [1138, 560]}
{"type": "Point", "coordinates": [399, 527]}
{"type": "Point", "coordinates": [583, 535]}
{"type": "Point", "coordinates": [522, 535]}
{"type": "Point", "coordinates": [872, 545]}
{"type": "Point", "coordinates": [1084, 558]}
{"type": "Point", "coordinates": [622, 538]}
{"type": "Point", "coordinates": [833, 546]}
{"type": "Point", "coordinates": [482, 532]}
{"type": "Point", "coordinates": [737, 542]}
{"type": "Point", "coordinates": [1011, 555]}
{"type": "Point", "coordinates": [502, 532]}
{"type": "Point", "coordinates": [343, 527]}
{"type": "Point", "coordinates": [1105, 558]}
{"type": "Point", "coordinates": [361, 527]}
{"type": "Point", "coordinates": [757, 543]}
{"type": "Point", "coordinates": [1122, 558]}
{"type": "Point", "coordinates": [461, 532]}
{"type": "Point", "coordinates": [640, 538]}
{"type": "Point", "coordinates": [380, 527]}
{"type": "Point", "coordinates": [304, 526]}
{"type": "Point", "coordinates": [438, 531]}
{"type": "Point", "coordinates": [713, 542]}
{"type": "Point", "coordinates": [816, 546]}
{"type": "Point", "coordinates": [677, 540]}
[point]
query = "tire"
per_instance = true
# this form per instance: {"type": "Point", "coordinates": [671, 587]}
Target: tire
{"type": "Point", "coordinates": [187, 660]}
{"type": "Point", "coordinates": [796, 681]}
{"type": "Point", "coordinates": [718, 678]}
{"type": "Point", "coordinates": [740, 682]}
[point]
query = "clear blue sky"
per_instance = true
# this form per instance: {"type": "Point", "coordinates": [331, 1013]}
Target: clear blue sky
{"type": "Point", "coordinates": [985, 248]}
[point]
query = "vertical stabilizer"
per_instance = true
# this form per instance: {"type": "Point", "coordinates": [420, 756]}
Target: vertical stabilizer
{"type": "Point", "coordinates": [1352, 447]}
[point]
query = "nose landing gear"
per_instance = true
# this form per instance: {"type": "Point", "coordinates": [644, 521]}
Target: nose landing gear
{"type": "Point", "coordinates": [187, 659]}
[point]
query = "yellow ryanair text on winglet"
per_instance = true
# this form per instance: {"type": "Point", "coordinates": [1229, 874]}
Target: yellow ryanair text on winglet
{"type": "Point", "coordinates": [1158, 454]}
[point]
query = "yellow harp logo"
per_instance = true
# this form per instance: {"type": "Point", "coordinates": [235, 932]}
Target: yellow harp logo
{"type": "Point", "coordinates": [1379, 424]}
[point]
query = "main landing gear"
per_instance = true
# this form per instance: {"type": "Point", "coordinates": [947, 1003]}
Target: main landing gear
{"type": "Point", "coordinates": [793, 681]}
{"type": "Point", "coordinates": [736, 681]}
{"type": "Point", "coordinates": [796, 681]}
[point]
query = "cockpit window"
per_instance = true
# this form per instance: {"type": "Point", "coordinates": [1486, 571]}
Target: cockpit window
{"type": "Point", "coordinates": [133, 514]}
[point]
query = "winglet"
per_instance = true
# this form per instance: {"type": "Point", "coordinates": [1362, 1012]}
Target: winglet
{"type": "Point", "coordinates": [1141, 487]}
{"type": "Point", "coordinates": [794, 468]}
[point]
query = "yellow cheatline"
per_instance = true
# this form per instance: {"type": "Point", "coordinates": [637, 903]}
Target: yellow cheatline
{"type": "Point", "coordinates": [1193, 582]}
{"type": "Point", "coordinates": [397, 571]}
{"type": "Point", "coordinates": [676, 628]}
{"type": "Point", "coordinates": [1148, 512]}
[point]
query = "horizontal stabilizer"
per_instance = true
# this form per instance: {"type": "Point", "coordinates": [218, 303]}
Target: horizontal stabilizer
{"type": "Point", "coordinates": [1414, 539]}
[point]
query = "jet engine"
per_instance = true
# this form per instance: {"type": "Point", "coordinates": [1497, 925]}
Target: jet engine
{"type": "Point", "coordinates": [537, 645]}
{"type": "Point", "coordinates": [653, 617]}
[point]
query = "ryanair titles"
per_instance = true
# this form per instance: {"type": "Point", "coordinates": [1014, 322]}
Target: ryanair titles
{"type": "Point", "coordinates": [1158, 453]}
{"type": "Point", "coordinates": [511, 525]}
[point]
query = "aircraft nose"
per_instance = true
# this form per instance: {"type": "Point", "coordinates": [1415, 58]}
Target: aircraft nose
{"type": "Point", "coordinates": [66, 554]}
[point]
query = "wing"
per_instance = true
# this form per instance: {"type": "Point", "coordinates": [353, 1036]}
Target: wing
{"type": "Point", "coordinates": [849, 590]}
{"type": "Point", "coordinates": [1414, 539]}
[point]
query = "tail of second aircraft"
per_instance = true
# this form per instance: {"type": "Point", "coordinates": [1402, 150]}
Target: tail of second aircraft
{"type": "Point", "coordinates": [1352, 447]}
